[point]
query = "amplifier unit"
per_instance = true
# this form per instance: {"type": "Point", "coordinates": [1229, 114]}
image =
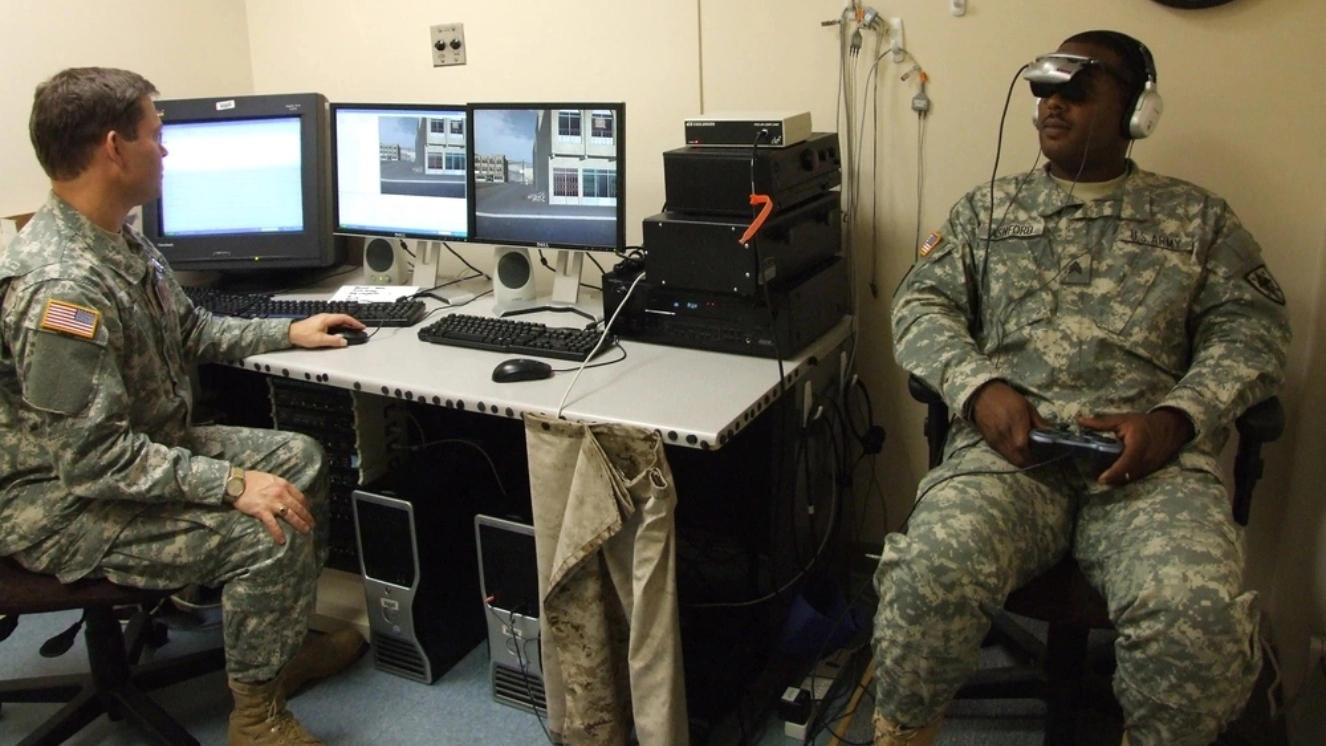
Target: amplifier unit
{"type": "Point", "coordinates": [703, 253]}
{"type": "Point", "coordinates": [798, 313]}
{"type": "Point", "coordinates": [772, 128]}
{"type": "Point", "coordinates": [717, 181]}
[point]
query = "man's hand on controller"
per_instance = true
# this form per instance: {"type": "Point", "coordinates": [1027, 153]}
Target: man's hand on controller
{"type": "Point", "coordinates": [1149, 440]}
{"type": "Point", "coordinates": [312, 331]}
{"type": "Point", "coordinates": [1005, 419]}
{"type": "Point", "coordinates": [268, 497]}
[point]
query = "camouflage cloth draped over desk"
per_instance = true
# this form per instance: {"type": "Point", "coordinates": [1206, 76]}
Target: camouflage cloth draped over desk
{"type": "Point", "coordinates": [603, 500]}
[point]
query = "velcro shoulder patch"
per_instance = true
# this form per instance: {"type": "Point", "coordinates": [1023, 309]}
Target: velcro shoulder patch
{"type": "Point", "coordinates": [931, 242]}
{"type": "Point", "coordinates": [69, 318]}
{"type": "Point", "coordinates": [1264, 282]}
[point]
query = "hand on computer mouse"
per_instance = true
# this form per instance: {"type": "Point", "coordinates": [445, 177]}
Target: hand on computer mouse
{"type": "Point", "coordinates": [320, 330]}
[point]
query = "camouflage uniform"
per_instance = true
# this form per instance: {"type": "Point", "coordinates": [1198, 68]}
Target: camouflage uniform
{"type": "Point", "coordinates": [101, 474]}
{"type": "Point", "coordinates": [1154, 295]}
{"type": "Point", "coordinates": [603, 500]}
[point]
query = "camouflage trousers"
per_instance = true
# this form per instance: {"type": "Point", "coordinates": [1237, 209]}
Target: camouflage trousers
{"type": "Point", "coordinates": [603, 500]}
{"type": "Point", "coordinates": [269, 588]}
{"type": "Point", "coordinates": [1164, 551]}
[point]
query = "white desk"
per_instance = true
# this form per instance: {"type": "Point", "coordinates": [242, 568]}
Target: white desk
{"type": "Point", "coordinates": [696, 399]}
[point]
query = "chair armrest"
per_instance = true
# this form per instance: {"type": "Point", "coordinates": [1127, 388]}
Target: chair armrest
{"type": "Point", "coordinates": [1263, 422]}
{"type": "Point", "coordinates": [936, 417]}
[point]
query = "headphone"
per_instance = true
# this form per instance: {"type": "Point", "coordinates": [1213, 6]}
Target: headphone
{"type": "Point", "coordinates": [1143, 110]}
{"type": "Point", "coordinates": [1140, 119]}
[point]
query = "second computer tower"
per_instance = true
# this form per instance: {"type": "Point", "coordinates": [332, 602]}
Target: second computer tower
{"type": "Point", "coordinates": [420, 570]}
{"type": "Point", "coordinates": [509, 575]}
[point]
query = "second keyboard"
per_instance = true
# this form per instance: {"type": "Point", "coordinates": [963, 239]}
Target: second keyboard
{"type": "Point", "coordinates": [514, 337]}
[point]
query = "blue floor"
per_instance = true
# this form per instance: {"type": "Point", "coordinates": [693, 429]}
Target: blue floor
{"type": "Point", "coordinates": [364, 706]}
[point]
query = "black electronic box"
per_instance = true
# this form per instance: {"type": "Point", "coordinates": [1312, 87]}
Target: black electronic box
{"type": "Point", "coordinates": [799, 311]}
{"type": "Point", "coordinates": [704, 252]}
{"type": "Point", "coordinates": [718, 181]}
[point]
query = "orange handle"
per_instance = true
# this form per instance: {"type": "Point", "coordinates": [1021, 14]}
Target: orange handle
{"type": "Point", "coordinates": [758, 199]}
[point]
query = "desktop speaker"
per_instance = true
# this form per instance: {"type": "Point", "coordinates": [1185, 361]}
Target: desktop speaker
{"type": "Point", "coordinates": [381, 264]}
{"type": "Point", "coordinates": [419, 564]}
{"type": "Point", "coordinates": [509, 578]}
{"type": "Point", "coordinates": [513, 275]}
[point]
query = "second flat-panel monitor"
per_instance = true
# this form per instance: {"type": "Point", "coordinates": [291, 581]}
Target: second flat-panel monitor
{"type": "Point", "coordinates": [546, 175]}
{"type": "Point", "coordinates": [401, 170]}
{"type": "Point", "coordinates": [549, 175]}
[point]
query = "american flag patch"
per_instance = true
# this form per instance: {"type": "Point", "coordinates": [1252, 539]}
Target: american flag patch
{"type": "Point", "coordinates": [68, 318]}
{"type": "Point", "coordinates": [931, 243]}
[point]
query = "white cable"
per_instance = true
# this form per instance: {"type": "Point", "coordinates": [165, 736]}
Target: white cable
{"type": "Point", "coordinates": [606, 328]}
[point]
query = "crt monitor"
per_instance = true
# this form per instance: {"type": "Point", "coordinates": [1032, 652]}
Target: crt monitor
{"type": "Point", "coordinates": [246, 184]}
{"type": "Point", "coordinates": [549, 175]}
{"type": "Point", "coordinates": [400, 170]}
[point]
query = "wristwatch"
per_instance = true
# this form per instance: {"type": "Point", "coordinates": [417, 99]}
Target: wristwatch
{"type": "Point", "coordinates": [234, 484]}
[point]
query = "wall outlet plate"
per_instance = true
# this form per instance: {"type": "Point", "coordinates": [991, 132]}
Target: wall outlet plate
{"type": "Point", "coordinates": [448, 44]}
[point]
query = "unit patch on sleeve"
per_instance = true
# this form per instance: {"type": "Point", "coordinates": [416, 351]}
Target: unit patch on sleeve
{"type": "Point", "coordinates": [1262, 281]}
{"type": "Point", "coordinates": [68, 318]}
{"type": "Point", "coordinates": [930, 243]}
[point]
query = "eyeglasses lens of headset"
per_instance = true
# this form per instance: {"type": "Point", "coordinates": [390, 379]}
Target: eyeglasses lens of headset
{"type": "Point", "coordinates": [1075, 91]}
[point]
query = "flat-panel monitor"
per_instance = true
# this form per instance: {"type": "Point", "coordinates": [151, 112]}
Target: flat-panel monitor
{"type": "Point", "coordinates": [400, 170]}
{"type": "Point", "coordinates": [549, 175]}
{"type": "Point", "coordinates": [246, 184]}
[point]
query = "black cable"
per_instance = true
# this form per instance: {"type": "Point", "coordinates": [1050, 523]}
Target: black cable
{"type": "Point", "coordinates": [428, 293]}
{"type": "Point", "coordinates": [406, 248]}
{"type": "Point", "coordinates": [514, 645]}
{"type": "Point", "coordinates": [975, 303]}
{"type": "Point", "coordinates": [616, 343]}
{"type": "Point", "coordinates": [778, 592]}
{"type": "Point", "coordinates": [472, 268]}
{"type": "Point", "coordinates": [470, 443]}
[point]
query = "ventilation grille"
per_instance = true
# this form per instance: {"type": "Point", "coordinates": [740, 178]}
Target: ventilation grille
{"type": "Point", "coordinates": [400, 657]}
{"type": "Point", "coordinates": [520, 690]}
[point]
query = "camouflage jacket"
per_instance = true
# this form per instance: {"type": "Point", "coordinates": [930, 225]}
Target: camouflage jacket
{"type": "Point", "coordinates": [1154, 295]}
{"type": "Point", "coordinates": [97, 343]}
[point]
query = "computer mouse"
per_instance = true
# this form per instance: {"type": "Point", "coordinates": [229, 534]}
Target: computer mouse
{"type": "Point", "coordinates": [351, 335]}
{"type": "Point", "coordinates": [521, 369]}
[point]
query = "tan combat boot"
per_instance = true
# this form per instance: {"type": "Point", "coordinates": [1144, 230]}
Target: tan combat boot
{"type": "Point", "coordinates": [321, 656]}
{"type": "Point", "coordinates": [260, 717]}
{"type": "Point", "coordinates": [889, 733]}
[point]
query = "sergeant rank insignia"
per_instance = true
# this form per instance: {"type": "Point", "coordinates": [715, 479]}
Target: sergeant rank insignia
{"type": "Point", "coordinates": [1262, 281]}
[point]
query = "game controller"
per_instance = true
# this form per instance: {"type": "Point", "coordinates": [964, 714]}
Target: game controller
{"type": "Point", "coordinates": [1103, 448]}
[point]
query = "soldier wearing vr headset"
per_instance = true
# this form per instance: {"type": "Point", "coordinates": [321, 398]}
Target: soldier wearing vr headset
{"type": "Point", "coordinates": [1094, 295]}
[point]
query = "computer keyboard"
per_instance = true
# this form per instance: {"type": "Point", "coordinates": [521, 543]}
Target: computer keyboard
{"type": "Point", "coordinates": [259, 306]}
{"type": "Point", "coordinates": [220, 302]}
{"type": "Point", "coordinates": [514, 337]}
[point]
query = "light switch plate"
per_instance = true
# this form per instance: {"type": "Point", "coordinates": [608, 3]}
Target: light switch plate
{"type": "Point", "coordinates": [448, 44]}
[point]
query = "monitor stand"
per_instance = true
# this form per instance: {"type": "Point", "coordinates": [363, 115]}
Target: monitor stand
{"type": "Point", "coordinates": [427, 258]}
{"type": "Point", "coordinates": [514, 286]}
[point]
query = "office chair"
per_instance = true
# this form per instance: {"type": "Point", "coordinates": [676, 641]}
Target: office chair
{"type": "Point", "coordinates": [1056, 670]}
{"type": "Point", "coordinates": [115, 684]}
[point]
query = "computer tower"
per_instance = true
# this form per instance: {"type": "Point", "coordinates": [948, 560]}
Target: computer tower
{"type": "Point", "coordinates": [418, 560]}
{"type": "Point", "coordinates": [509, 578]}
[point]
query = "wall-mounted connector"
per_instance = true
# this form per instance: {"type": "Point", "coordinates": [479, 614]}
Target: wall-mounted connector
{"type": "Point", "coordinates": [895, 40]}
{"type": "Point", "coordinates": [448, 43]}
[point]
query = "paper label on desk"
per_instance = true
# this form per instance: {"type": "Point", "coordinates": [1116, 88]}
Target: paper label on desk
{"type": "Point", "coordinates": [374, 293]}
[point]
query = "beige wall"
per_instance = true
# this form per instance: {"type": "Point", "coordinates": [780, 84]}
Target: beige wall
{"type": "Point", "coordinates": [1243, 117]}
{"type": "Point", "coordinates": [193, 48]}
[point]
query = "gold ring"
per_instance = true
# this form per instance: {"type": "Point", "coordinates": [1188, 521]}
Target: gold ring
{"type": "Point", "coordinates": [282, 511]}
